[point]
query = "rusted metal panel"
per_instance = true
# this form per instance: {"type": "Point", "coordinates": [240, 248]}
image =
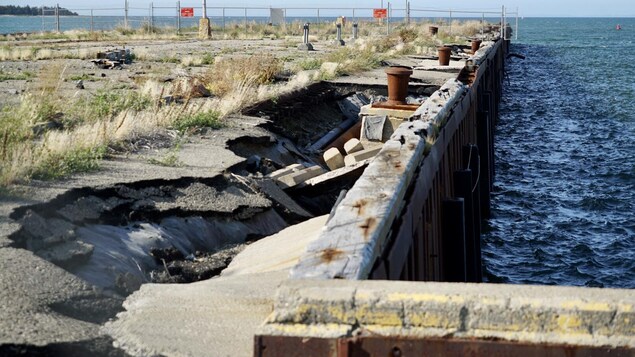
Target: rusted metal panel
{"type": "Point", "coordinates": [278, 346]}
{"type": "Point", "coordinates": [425, 347]}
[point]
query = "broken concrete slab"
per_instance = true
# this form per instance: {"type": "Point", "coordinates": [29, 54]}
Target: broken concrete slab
{"type": "Point", "coordinates": [285, 171]}
{"type": "Point", "coordinates": [67, 254]}
{"type": "Point", "coordinates": [283, 249]}
{"type": "Point", "coordinates": [361, 155]}
{"type": "Point", "coordinates": [274, 192]}
{"type": "Point", "coordinates": [296, 178]}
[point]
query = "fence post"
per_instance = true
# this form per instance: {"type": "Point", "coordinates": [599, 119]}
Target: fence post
{"type": "Point", "coordinates": [223, 19]}
{"type": "Point", "coordinates": [450, 32]}
{"type": "Point", "coordinates": [388, 20]}
{"type": "Point", "coordinates": [92, 21]}
{"type": "Point", "coordinates": [354, 19]}
{"type": "Point", "coordinates": [318, 14]}
{"type": "Point", "coordinates": [125, 17]}
{"type": "Point", "coordinates": [151, 18]}
{"type": "Point", "coordinates": [408, 12]}
{"type": "Point", "coordinates": [178, 17]}
{"type": "Point", "coordinates": [245, 20]}
{"type": "Point", "coordinates": [57, 17]}
{"type": "Point", "coordinates": [355, 33]}
{"type": "Point", "coordinates": [482, 24]}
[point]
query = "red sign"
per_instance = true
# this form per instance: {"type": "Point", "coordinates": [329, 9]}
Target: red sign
{"type": "Point", "coordinates": [187, 12]}
{"type": "Point", "coordinates": [380, 13]}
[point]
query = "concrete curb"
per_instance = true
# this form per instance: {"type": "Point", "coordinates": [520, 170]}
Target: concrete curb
{"type": "Point", "coordinates": [533, 314]}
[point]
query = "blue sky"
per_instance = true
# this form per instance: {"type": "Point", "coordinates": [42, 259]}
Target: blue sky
{"type": "Point", "coordinates": [595, 8]}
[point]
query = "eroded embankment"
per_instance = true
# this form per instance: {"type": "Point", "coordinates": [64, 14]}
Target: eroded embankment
{"type": "Point", "coordinates": [188, 229]}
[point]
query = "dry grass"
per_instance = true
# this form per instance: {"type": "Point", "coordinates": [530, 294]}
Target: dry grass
{"type": "Point", "coordinates": [229, 74]}
{"type": "Point", "coordinates": [31, 148]}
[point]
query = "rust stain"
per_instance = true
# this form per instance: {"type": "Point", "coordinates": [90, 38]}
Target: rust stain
{"type": "Point", "coordinates": [360, 205]}
{"type": "Point", "coordinates": [330, 254]}
{"type": "Point", "coordinates": [398, 164]}
{"type": "Point", "coordinates": [368, 225]}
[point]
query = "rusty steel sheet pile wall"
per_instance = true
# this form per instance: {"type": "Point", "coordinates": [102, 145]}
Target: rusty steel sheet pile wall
{"type": "Point", "coordinates": [389, 225]}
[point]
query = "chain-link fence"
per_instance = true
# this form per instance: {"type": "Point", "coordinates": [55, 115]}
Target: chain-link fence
{"type": "Point", "coordinates": [170, 17]}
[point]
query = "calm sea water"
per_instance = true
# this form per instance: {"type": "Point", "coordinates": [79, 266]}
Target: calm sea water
{"type": "Point", "coordinates": [564, 199]}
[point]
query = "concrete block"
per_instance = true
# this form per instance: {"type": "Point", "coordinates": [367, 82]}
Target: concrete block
{"type": "Point", "coordinates": [373, 127]}
{"type": "Point", "coordinates": [372, 133]}
{"type": "Point", "coordinates": [285, 171]}
{"type": "Point", "coordinates": [361, 155]}
{"type": "Point", "coordinates": [353, 145]}
{"type": "Point", "coordinates": [333, 158]}
{"type": "Point", "coordinates": [295, 178]}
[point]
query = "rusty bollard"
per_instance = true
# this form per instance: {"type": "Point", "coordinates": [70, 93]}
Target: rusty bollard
{"type": "Point", "coordinates": [433, 30]}
{"type": "Point", "coordinates": [476, 44]}
{"type": "Point", "coordinates": [444, 56]}
{"type": "Point", "coordinates": [398, 78]}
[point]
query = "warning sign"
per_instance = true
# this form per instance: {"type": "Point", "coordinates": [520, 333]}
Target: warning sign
{"type": "Point", "coordinates": [187, 12]}
{"type": "Point", "coordinates": [380, 13]}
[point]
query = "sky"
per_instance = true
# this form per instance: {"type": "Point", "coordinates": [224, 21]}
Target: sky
{"type": "Point", "coordinates": [529, 8]}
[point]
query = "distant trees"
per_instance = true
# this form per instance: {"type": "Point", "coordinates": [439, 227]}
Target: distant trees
{"type": "Point", "coordinates": [32, 11]}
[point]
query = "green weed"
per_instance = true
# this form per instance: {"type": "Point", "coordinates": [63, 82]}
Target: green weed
{"type": "Point", "coordinates": [210, 119]}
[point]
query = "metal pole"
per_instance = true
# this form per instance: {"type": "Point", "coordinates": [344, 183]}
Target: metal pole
{"type": "Point", "coordinates": [502, 19]}
{"type": "Point", "coordinates": [92, 27]}
{"type": "Point", "coordinates": [245, 19]}
{"type": "Point", "coordinates": [516, 23]}
{"type": "Point", "coordinates": [355, 30]}
{"type": "Point", "coordinates": [57, 17]}
{"type": "Point", "coordinates": [178, 17]}
{"type": "Point", "coordinates": [151, 19]}
{"type": "Point", "coordinates": [482, 24]}
{"type": "Point", "coordinates": [450, 23]}
{"type": "Point", "coordinates": [388, 20]}
{"type": "Point", "coordinates": [42, 28]}
{"type": "Point", "coordinates": [204, 9]}
{"type": "Point", "coordinates": [223, 19]}
{"type": "Point", "coordinates": [318, 13]}
{"type": "Point", "coordinates": [125, 17]}
{"type": "Point", "coordinates": [408, 12]}
{"type": "Point", "coordinates": [503, 25]}
{"type": "Point", "coordinates": [354, 19]}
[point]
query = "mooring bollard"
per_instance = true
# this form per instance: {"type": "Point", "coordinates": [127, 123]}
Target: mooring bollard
{"type": "Point", "coordinates": [305, 45]}
{"type": "Point", "coordinates": [339, 41]}
{"type": "Point", "coordinates": [355, 31]}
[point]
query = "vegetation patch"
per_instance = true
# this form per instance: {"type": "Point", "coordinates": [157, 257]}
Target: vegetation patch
{"type": "Point", "coordinates": [209, 119]}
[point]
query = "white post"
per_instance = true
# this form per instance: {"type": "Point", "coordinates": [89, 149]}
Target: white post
{"type": "Point", "coordinates": [204, 9]}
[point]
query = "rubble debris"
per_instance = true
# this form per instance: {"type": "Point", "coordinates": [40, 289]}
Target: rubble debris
{"type": "Point", "coordinates": [353, 145]}
{"type": "Point", "coordinates": [200, 266]}
{"type": "Point", "coordinates": [333, 158]}
{"type": "Point", "coordinates": [298, 177]}
{"type": "Point", "coordinates": [358, 156]}
{"type": "Point", "coordinates": [113, 59]}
